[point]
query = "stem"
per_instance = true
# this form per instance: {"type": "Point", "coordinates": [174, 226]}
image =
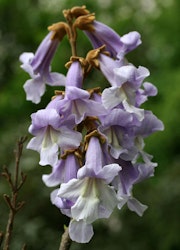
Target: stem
{"type": "Point", "coordinates": [17, 159]}
{"type": "Point", "coordinates": [72, 34]}
{"type": "Point", "coordinates": [9, 229]}
{"type": "Point", "coordinates": [65, 241]}
{"type": "Point", "coordinates": [15, 185]}
{"type": "Point", "coordinates": [73, 47]}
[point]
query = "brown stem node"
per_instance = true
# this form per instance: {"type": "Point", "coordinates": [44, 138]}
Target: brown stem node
{"type": "Point", "coordinates": [9, 203]}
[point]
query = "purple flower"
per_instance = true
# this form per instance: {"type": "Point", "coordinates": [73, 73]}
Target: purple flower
{"type": "Point", "coordinates": [117, 46]}
{"type": "Point", "coordinates": [117, 128]}
{"type": "Point", "coordinates": [91, 193]}
{"type": "Point", "coordinates": [75, 74]}
{"type": "Point", "coordinates": [77, 101]}
{"type": "Point", "coordinates": [38, 67]}
{"type": "Point", "coordinates": [125, 134]}
{"type": "Point", "coordinates": [50, 136]}
{"type": "Point", "coordinates": [128, 80]}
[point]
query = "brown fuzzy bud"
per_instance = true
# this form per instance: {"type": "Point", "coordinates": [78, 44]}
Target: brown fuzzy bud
{"type": "Point", "coordinates": [92, 56]}
{"type": "Point", "coordinates": [59, 29]}
{"type": "Point", "coordinates": [85, 22]}
{"type": "Point", "coordinates": [83, 62]}
{"type": "Point", "coordinates": [79, 11]}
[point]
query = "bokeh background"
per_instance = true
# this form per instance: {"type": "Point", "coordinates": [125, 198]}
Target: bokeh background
{"type": "Point", "coordinates": [22, 26]}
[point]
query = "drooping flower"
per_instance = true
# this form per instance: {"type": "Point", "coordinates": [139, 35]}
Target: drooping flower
{"type": "Point", "coordinates": [38, 66]}
{"type": "Point", "coordinates": [125, 135]}
{"type": "Point", "coordinates": [50, 136]}
{"type": "Point", "coordinates": [116, 126]}
{"type": "Point", "coordinates": [128, 81]}
{"type": "Point", "coordinates": [117, 46]}
{"type": "Point", "coordinates": [91, 193]}
{"type": "Point", "coordinates": [77, 101]}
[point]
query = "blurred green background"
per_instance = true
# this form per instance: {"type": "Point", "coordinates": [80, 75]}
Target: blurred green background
{"type": "Point", "coordinates": [22, 26]}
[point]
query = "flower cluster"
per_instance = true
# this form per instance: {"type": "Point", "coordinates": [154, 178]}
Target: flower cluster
{"type": "Point", "coordinates": [93, 139]}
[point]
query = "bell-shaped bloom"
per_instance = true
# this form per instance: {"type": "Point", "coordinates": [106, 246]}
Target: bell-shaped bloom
{"type": "Point", "coordinates": [50, 136]}
{"type": "Point", "coordinates": [77, 102]}
{"type": "Point", "coordinates": [117, 128]}
{"type": "Point", "coordinates": [117, 46]}
{"type": "Point", "coordinates": [91, 192]}
{"type": "Point", "coordinates": [128, 81]}
{"type": "Point", "coordinates": [38, 67]}
{"type": "Point", "coordinates": [65, 170]}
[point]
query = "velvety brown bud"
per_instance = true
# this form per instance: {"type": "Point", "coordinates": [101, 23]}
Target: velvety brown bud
{"type": "Point", "coordinates": [83, 62]}
{"type": "Point", "coordinates": [92, 56]}
{"type": "Point", "coordinates": [85, 22]}
{"type": "Point", "coordinates": [60, 30]}
{"type": "Point", "coordinates": [79, 11]}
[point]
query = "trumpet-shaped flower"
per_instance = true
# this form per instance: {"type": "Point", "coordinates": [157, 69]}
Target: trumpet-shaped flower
{"type": "Point", "coordinates": [38, 67]}
{"type": "Point", "coordinates": [50, 136]}
{"type": "Point", "coordinates": [77, 102]}
{"type": "Point", "coordinates": [117, 128]}
{"type": "Point", "coordinates": [117, 46]}
{"type": "Point", "coordinates": [91, 192]}
{"type": "Point", "coordinates": [128, 81]}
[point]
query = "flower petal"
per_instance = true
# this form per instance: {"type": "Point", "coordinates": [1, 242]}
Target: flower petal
{"type": "Point", "coordinates": [80, 231]}
{"type": "Point", "coordinates": [34, 89]}
{"type": "Point", "coordinates": [71, 190]}
{"type": "Point", "coordinates": [26, 58]}
{"type": "Point", "coordinates": [108, 172]}
{"type": "Point", "coordinates": [49, 155]}
{"type": "Point", "coordinates": [136, 206]}
{"type": "Point", "coordinates": [36, 142]}
{"type": "Point", "coordinates": [111, 97]}
{"type": "Point", "coordinates": [86, 208]}
{"type": "Point", "coordinates": [108, 199]}
{"type": "Point", "coordinates": [56, 79]}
